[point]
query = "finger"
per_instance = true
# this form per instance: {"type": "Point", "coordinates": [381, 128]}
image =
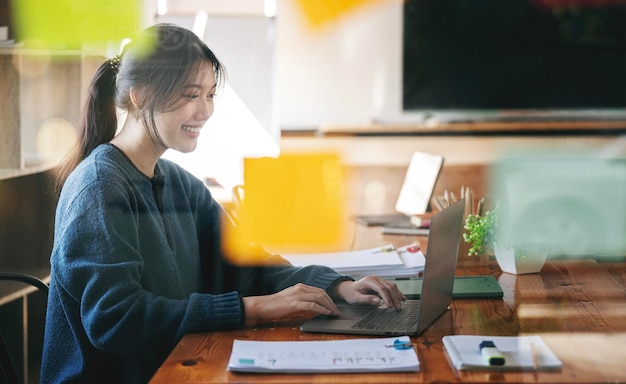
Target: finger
{"type": "Point", "coordinates": [395, 294]}
{"type": "Point", "coordinates": [388, 291]}
{"type": "Point", "coordinates": [388, 297]}
{"type": "Point", "coordinates": [312, 303]}
{"type": "Point", "coordinates": [324, 310]}
{"type": "Point", "coordinates": [367, 291]}
{"type": "Point", "coordinates": [318, 297]}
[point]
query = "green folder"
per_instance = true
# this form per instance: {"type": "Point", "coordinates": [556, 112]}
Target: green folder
{"type": "Point", "coordinates": [465, 287]}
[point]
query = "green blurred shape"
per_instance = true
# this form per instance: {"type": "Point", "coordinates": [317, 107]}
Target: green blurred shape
{"type": "Point", "coordinates": [568, 202]}
{"type": "Point", "coordinates": [72, 24]}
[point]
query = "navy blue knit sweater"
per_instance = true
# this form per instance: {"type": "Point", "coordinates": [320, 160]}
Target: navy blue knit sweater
{"type": "Point", "coordinates": [137, 264]}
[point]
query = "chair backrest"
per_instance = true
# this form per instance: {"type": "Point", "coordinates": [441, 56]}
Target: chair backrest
{"type": "Point", "coordinates": [8, 371]}
{"type": "Point", "coordinates": [24, 278]}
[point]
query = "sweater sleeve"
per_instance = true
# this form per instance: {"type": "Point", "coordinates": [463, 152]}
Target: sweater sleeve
{"type": "Point", "coordinates": [262, 279]}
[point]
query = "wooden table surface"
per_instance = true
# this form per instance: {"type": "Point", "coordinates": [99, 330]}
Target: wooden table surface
{"type": "Point", "coordinates": [577, 306]}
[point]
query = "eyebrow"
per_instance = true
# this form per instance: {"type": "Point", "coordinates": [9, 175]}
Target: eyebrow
{"type": "Point", "coordinates": [197, 86]}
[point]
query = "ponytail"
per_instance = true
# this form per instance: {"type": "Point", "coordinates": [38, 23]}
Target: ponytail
{"type": "Point", "coordinates": [176, 57]}
{"type": "Point", "coordinates": [98, 122]}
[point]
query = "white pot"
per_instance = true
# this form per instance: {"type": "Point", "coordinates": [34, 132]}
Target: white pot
{"type": "Point", "coordinates": [520, 262]}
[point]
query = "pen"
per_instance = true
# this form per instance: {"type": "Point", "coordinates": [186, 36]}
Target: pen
{"type": "Point", "coordinates": [491, 353]}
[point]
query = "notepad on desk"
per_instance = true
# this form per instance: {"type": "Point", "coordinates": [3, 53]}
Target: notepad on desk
{"type": "Point", "coordinates": [517, 352]}
{"type": "Point", "coordinates": [394, 354]}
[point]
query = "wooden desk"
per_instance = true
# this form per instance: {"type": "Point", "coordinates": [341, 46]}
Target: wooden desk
{"type": "Point", "coordinates": [577, 306]}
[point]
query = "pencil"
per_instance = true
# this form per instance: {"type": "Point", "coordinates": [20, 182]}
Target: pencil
{"type": "Point", "coordinates": [535, 355]}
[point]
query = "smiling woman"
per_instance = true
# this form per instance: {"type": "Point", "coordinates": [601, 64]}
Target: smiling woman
{"type": "Point", "coordinates": [148, 89]}
{"type": "Point", "coordinates": [137, 260]}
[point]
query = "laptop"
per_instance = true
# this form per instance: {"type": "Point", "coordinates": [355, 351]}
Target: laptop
{"type": "Point", "coordinates": [415, 315]}
{"type": "Point", "coordinates": [415, 193]}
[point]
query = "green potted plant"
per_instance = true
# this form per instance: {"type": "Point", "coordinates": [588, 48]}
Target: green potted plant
{"type": "Point", "coordinates": [480, 232]}
{"type": "Point", "coordinates": [481, 235]}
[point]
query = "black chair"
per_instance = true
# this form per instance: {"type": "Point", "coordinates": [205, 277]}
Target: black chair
{"type": "Point", "coordinates": [8, 371]}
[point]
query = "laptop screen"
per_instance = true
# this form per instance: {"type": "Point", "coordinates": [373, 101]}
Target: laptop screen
{"type": "Point", "coordinates": [419, 183]}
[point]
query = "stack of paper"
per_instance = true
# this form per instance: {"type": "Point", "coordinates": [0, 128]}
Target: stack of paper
{"type": "Point", "coordinates": [385, 261]}
{"type": "Point", "coordinates": [413, 260]}
{"type": "Point", "coordinates": [352, 355]}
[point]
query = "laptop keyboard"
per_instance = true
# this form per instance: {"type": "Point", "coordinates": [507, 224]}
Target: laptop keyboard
{"type": "Point", "coordinates": [387, 319]}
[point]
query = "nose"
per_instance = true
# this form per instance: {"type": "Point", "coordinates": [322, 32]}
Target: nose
{"type": "Point", "coordinates": [205, 109]}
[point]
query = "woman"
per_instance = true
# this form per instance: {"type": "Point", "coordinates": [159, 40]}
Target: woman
{"type": "Point", "coordinates": [137, 259]}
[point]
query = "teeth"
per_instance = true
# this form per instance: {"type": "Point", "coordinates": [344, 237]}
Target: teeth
{"type": "Point", "coordinates": [191, 129]}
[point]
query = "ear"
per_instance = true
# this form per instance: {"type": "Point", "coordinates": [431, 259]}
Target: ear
{"type": "Point", "coordinates": [134, 98]}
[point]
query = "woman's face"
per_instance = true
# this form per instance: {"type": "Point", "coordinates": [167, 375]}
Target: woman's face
{"type": "Point", "coordinates": [179, 129]}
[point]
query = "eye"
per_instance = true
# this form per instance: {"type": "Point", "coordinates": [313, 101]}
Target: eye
{"type": "Point", "coordinates": [211, 96]}
{"type": "Point", "coordinates": [190, 96]}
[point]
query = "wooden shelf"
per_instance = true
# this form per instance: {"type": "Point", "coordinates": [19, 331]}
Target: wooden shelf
{"type": "Point", "coordinates": [42, 93]}
{"type": "Point", "coordinates": [28, 170]}
{"type": "Point", "coordinates": [587, 126]}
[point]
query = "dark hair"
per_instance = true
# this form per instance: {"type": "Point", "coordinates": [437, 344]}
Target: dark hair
{"type": "Point", "coordinates": [157, 64]}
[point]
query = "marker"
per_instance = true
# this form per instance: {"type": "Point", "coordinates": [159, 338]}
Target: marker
{"type": "Point", "coordinates": [491, 353]}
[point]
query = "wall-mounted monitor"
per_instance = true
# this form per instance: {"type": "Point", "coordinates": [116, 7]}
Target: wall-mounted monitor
{"type": "Point", "coordinates": [528, 58]}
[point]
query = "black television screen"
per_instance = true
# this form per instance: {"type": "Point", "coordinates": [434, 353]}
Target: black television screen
{"type": "Point", "coordinates": [514, 55]}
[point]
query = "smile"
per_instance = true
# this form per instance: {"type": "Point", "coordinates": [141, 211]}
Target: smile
{"type": "Point", "coordinates": [191, 129]}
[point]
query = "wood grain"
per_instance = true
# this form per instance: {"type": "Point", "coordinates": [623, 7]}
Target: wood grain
{"type": "Point", "coordinates": [576, 306]}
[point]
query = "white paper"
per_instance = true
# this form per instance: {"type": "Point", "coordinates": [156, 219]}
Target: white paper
{"type": "Point", "coordinates": [351, 355]}
{"type": "Point", "coordinates": [373, 258]}
{"type": "Point", "coordinates": [412, 256]}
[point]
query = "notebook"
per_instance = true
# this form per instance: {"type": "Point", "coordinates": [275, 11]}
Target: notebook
{"type": "Point", "coordinates": [465, 287]}
{"type": "Point", "coordinates": [416, 315]}
{"type": "Point", "coordinates": [415, 193]}
{"type": "Point", "coordinates": [517, 353]}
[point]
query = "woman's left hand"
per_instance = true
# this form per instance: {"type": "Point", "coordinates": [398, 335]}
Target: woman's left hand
{"type": "Point", "coordinates": [369, 290]}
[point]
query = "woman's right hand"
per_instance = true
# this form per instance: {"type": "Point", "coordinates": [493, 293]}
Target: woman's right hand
{"type": "Point", "coordinates": [289, 302]}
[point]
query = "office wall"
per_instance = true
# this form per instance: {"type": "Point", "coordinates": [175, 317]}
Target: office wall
{"type": "Point", "coordinates": [222, 7]}
{"type": "Point", "coordinates": [347, 71]}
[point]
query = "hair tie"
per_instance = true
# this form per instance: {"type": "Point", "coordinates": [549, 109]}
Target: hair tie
{"type": "Point", "coordinates": [114, 63]}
